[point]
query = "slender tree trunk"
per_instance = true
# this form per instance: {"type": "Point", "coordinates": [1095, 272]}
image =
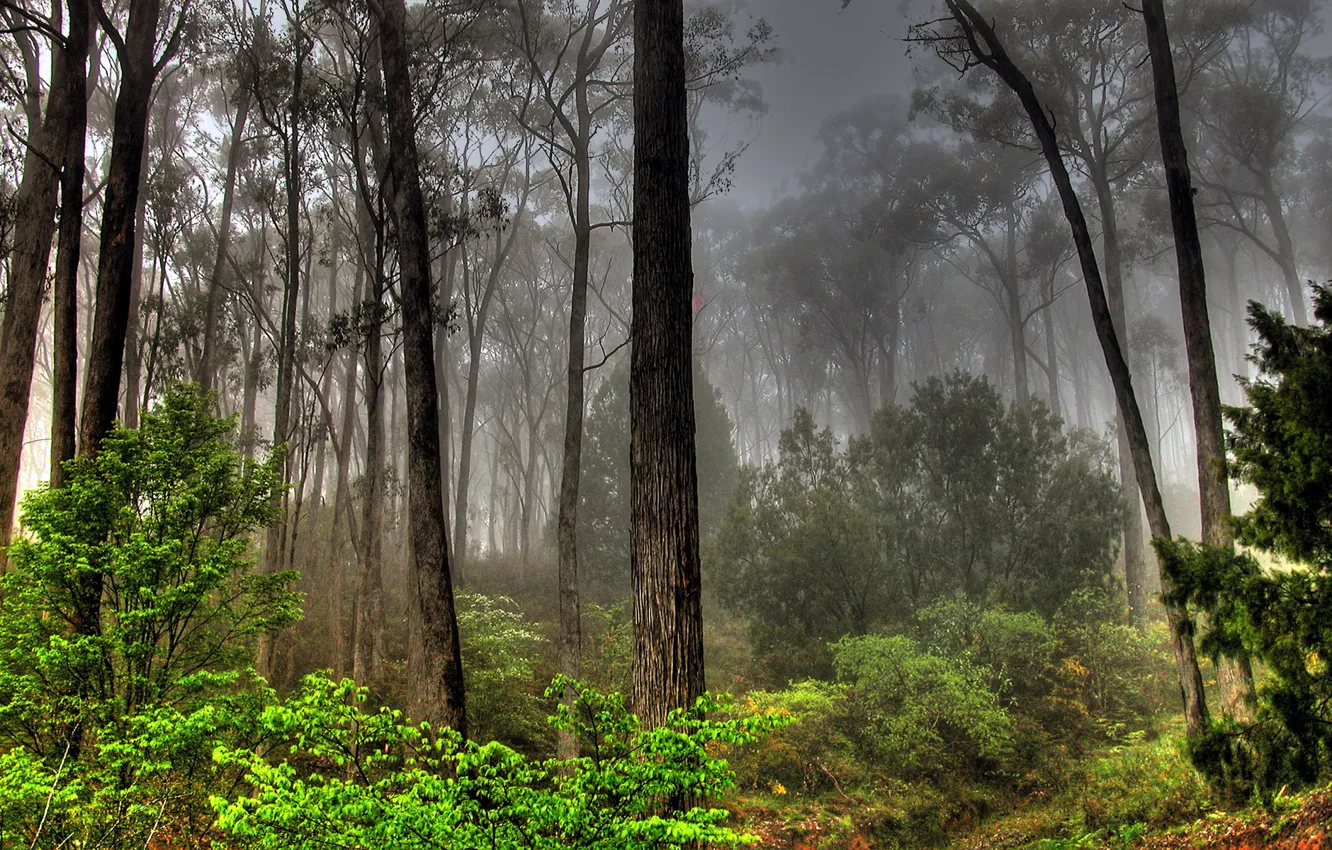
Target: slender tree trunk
{"type": "Point", "coordinates": [1017, 328]}
{"type": "Point", "coordinates": [435, 683]}
{"type": "Point", "coordinates": [994, 56]}
{"type": "Point", "coordinates": [1290, 272]}
{"type": "Point", "coordinates": [571, 617]}
{"type": "Point", "coordinates": [1051, 356]}
{"type": "Point", "coordinates": [207, 373]}
{"type": "Point", "coordinates": [1135, 550]}
{"type": "Point", "coordinates": [133, 347]}
{"type": "Point", "coordinates": [1235, 674]}
{"type": "Point", "coordinates": [667, 584]}
{"type": "Point", "coordinates": [368, 644]}
{"type": "Point", "coordinates": [65, 289]}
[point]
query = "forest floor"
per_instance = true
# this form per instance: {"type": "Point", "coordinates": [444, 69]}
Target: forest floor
{"type": "Point", "coordinates": [1138, 797]}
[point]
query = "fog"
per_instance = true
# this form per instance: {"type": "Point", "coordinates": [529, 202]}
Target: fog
{"type": "Point", "coordinates": [322, 361]}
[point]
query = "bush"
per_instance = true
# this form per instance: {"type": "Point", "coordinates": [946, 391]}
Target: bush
{"type": "Point", "coordinates": [920, 715]}
{"type": "Point", "coordinates": [500, 649]}
{"type": "Point", "coordinates": [126, 631]}
{"type": "Point", "coordinates": [812, 753]}
{"type": "Point", "coordinates": [374, 780]}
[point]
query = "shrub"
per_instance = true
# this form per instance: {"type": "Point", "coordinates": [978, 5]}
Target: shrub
{"type": "Point", "coordinates": [376, 780]}
{"type": "Point", "coordinates": [126, 630]}
{"type": "Point", "coordinates": [500, 650]}
{"type": "Point", "coordinates": [812, 753]}
{"type": "Point", "coordinates": [921, 715]}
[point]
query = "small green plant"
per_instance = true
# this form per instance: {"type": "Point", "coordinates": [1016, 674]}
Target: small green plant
{"type": "Point", "coordinates": [375, 780]}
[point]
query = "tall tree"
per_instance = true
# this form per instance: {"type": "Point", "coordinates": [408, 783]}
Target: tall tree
{"type": "Point", "coordinates": [667, 583]}
{"type": "Point", "coordinates": [1213, 488]}
{"type": "Point", "coordinates": [140, 66]}
{"type": "Point", "coordinates": [37, 198]}
{"type": "Point", "coordinates": [966, 39]}
{"type": "Point", "coordinates": [435, 685]}
{"type": "Point", "coordinates": [65, 295]}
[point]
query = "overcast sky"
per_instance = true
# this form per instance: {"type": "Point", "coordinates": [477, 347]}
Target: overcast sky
{"type": "Point", "coordinates": [831, 59]}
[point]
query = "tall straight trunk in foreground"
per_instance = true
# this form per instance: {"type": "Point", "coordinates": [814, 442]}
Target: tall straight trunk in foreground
{"type": "Point", "coordinates": [986, 49]}
{"type": "Point", "coordinates": [36, 201]}
{"type": "Point", "coordinates": [667, 604]}
{"type": "Point", "coordinates": [1235, 674]}
{"type": "Point", "coordinates": [435, 677]}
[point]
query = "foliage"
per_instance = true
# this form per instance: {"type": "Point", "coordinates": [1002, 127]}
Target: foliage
{"type": "Point", "coordinates": [603, 511]}
{"type": "Point", "coordinates": [922, 714]}
{"type": "Point", "coordinates": [811, 754]}
{"type": "Point", "coordinates": [500, 649]}
{"type": "Point", "coordinates": [126, 630]}
{"type": "Point", "coordinates": [1282, 445]}
{"type": "Point", "coordinates": [952, 495]}
{"type": "Point", "coordinates": [372, 780]}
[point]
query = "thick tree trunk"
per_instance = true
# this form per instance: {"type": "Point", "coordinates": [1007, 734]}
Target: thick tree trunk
{"type": "Point", "coordinates": [1236, 675]}
{"type": "Point", "coordinates": [115, 263]}
{"type": "Point", "coordinates": [994, 56]}
{"type": "Point", "coordinates": [435, 681]}
{"type": "Point", "coordinates": [667, 584]}
{"type": "Point", "coordinates": [36, 201]}
{"type": "Point", "coordinates": [65, 289]}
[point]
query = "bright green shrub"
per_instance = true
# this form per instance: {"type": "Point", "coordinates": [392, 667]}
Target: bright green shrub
{"type": "Point", "coordinates": [500, 650]}
{"type": "Point", "coordinates": [126, 631]}
{"type": "Point", "coordinates": [921, 715]}
{"type": "Point", "coordinates": [374, 780]}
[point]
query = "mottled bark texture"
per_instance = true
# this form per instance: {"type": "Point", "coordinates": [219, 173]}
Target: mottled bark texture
{"type": "Point", "coordinates": [667, 605]}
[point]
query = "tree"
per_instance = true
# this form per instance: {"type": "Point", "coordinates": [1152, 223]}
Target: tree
{"type": "Point", "coordinates": [953, 495]}
{"type": "Point", "coordinates": [163, 516]}
{"type": "Point", "coordinates": [50, 141]}
{"type": "Point", "coordinates": [1213, 490]}
{"type": "Point", "coordinates": [663, 476]}
{"type": "Point", "coordinates": [435, 688]}
{"type": "Point", "coordinates": [1278, 444]}
{"type": "Point", "coordinates": [969, 40]}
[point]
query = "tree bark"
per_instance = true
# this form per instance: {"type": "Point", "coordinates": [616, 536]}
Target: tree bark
{"type": "Point", "coordinates": [1235, 674]}
{"type": "Point", "coordinates": [435, 682]}
{"type": "Point", "coordinates": [667, 584]}
{"type": "Point", "coordinates": [368, 628]}
{"type": "Point", "coordinates": [987, 49]}
{"type": "Point", "coordinates": [36, 201]}
{"type": "Point", "coordinates": [65, 289]}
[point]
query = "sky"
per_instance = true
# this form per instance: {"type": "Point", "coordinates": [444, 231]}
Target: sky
{"type": "Point", "coordinates": [831, 59]}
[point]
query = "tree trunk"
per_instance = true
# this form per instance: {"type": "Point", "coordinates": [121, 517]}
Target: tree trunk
{"type": "Point", "coordinates": [207, 372]}
{"type": "Point", "coordinates": [995, 57]}
{"type": "Point", "coordinates": [435, 684]}
{"type": "Point", "coordinates": [36, 202]}
{"type": "Point", "coordinates": [133, 346]}
{"type": "Point", "coordinates": [368, 630]}
{"type": "Point", "coordinates": [65, 289]}
{"type": "Point", "coordinates": [1235, 674]}
{"type": "Point", "coordinates": [571, 617]}
{"type": "Point", "coordinates": [667, 584]}
{"type": "Point", "coordinates": [1017, 328]}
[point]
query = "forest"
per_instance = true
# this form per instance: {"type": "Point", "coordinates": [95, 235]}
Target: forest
{"type": "Point", "coordinates": [603, 424]}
